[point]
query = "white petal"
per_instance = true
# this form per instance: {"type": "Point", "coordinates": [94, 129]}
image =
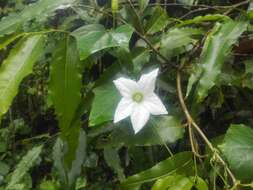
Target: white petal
{"type": "Point", "coordinates": [139, 117]}
{"type": "Point", "coordinates": [123, 110]}
{"type": "Point", "coordinates": [154, 105]}
{"type": "Point", "coordinates": [147, 81]}
{"type": "Point", "coordinates": [125, 86]}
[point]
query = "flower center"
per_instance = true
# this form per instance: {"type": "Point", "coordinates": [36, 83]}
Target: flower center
{"type": "Point", "coordinates": [137, 97]}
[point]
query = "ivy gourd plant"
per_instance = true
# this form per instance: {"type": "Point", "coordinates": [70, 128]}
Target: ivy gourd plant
{"type": "Point", "coordinates": [126, 94]}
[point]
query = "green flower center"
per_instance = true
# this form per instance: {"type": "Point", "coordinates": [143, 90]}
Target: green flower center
{"type": "Point", "coordinates": [137, 97]}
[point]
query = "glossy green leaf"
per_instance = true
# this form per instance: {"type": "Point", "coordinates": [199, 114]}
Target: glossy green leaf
{"type": "Point", "coordinates": [104, 104]}
{"type": "Point", "coordinates": [157, 22]}
{"type": "Point", "coordinates": [24, 165]}
{"type": "Point", "coordinates": [217, 47]}
{"type": "Point", "coordinates": [41, 9]}
{"type": "Point", "coordinates": [178, 40]}
{"type": "Point", "coordinates": [180, 162]}
{"type": "Point", "coordinates": [65, 82]}
{"type": "Point", "coordinates": [179, 182]}
{"type": "Point", "coordinates": [238, 150]}
{"type": "Point", "coordinates": [16, 67]}
{"type": "Point", "coordinates": [166, 129]}
{"type": "Point", "coordinates": [93, 38]}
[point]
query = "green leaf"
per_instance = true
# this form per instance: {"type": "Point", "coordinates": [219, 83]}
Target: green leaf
{"type": "Point", "coordinates": [178, 163]}
{"type": "Point", "coordinates": [179, 182]}
{"type": "Point", "coordinates": [166, 129]}
{"type": "Point", "coordinates": [4, 168]}
{"type": "Point", "coordinates": [104, 104]}
{"type": "Point", "coordinates": [41, 9]}
{"type": "Point", "coordinates": [141, 56]}
{"type": "Point", "coordinates": [69, 156]}
{"type": "Point", "coordinates": [93, 38]}
{"type": "Point", "coordinates": [157, 22]}
{"type": "Point", "coordinates": [16, 67]}
{"type": "Point", "coordinates": [200, 19]}
{"type": "Point", "coordinates": [217, 47]}
{"type": "Point", "coordinates": [113, 160]}
{"type": "Point", "coordinates": [178, 40]}
{"type": "Point", "coordinates": [238, 150]}
{"type": "Point", "coordinates": [143, 4]}
{"type": "Point", "coordinates": [65, 82]}
{"type": "Point", "coordinates": [131, 15]}
{"type": "Point", "coordinates": [49, 185]}
{"type": "Point", "coordinates": [27, 162]}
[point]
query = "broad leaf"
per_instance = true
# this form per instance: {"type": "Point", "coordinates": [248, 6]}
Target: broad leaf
{"type": "Point", "coordinates": [217, 47]}
{"type": "Point", "coordinates": [166, 129]}
{"type": "Point", "coordinates": [65, 82]}
{"type": "Point", "coordinates": [93, 38]}
{"type": "Point", "coordinates": [178, 40]}
{"type": "Point", "coordinates": [24, 165]}
{"type": "Point", "coordinates": [238, 150]}
{"type": "Point", "coordinates": [157, 22]}
{"type": "Point", "coordinates": [104, 104]}
{"type": "Point", "coordinates": [41, 9]}
{"type": "Point", "coordinates": [178, 163]}
{"type": "Point", "coordinates": [16, 67]}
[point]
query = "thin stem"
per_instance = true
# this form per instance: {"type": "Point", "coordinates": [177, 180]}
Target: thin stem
{"type": "Point", "coordinates": [190, 120]}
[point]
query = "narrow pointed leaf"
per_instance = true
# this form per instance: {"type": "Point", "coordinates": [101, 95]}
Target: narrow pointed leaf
{"type": "Point", "coordinates": [158, 21]}
{"type": "Point", "coordinates": [180, 162]}
{"type": "Point", "coordinates": [65, 82]}
{"type": "Point", "coordinates": [16, 67]}
{"type": "Point", "coordinates": [216, 49]}
{"type": "Point", "coordinates": [24, 165]}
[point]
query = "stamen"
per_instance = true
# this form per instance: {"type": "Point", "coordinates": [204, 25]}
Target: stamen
{"type": "Point", "coordinates": [137, 97]}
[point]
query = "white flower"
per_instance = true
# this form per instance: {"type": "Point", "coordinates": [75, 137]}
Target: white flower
{"type": "Point", "coordinates": [138, 100]}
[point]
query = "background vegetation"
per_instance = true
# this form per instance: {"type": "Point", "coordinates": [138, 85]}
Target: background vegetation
{"type": "Point", "coordinates": [57, 100]}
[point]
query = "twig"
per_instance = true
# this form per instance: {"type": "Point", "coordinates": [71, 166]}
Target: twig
{"type": "Point", "coordinates": [192, 123]}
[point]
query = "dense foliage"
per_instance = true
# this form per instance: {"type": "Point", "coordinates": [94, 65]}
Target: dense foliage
{"type": "Point", "coordinates": [57, 98]}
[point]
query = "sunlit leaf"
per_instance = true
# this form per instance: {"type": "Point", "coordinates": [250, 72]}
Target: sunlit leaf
{"type": "Point", "coordinates": [16, 67]}
{"type": "Point", "coordinates": [178, 40]}
{"type": "Point", "coordinates": [93, 38]}
{"type": "Point", "coordinates": [41, 9]}
{"type": "Point", "coordinates": [217, 47]}
{"type": "Point", "coordinates": [180, 162]}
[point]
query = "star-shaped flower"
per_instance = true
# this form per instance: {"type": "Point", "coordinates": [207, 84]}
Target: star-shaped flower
{"type": "Point", "coordinates": [138, 100]}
